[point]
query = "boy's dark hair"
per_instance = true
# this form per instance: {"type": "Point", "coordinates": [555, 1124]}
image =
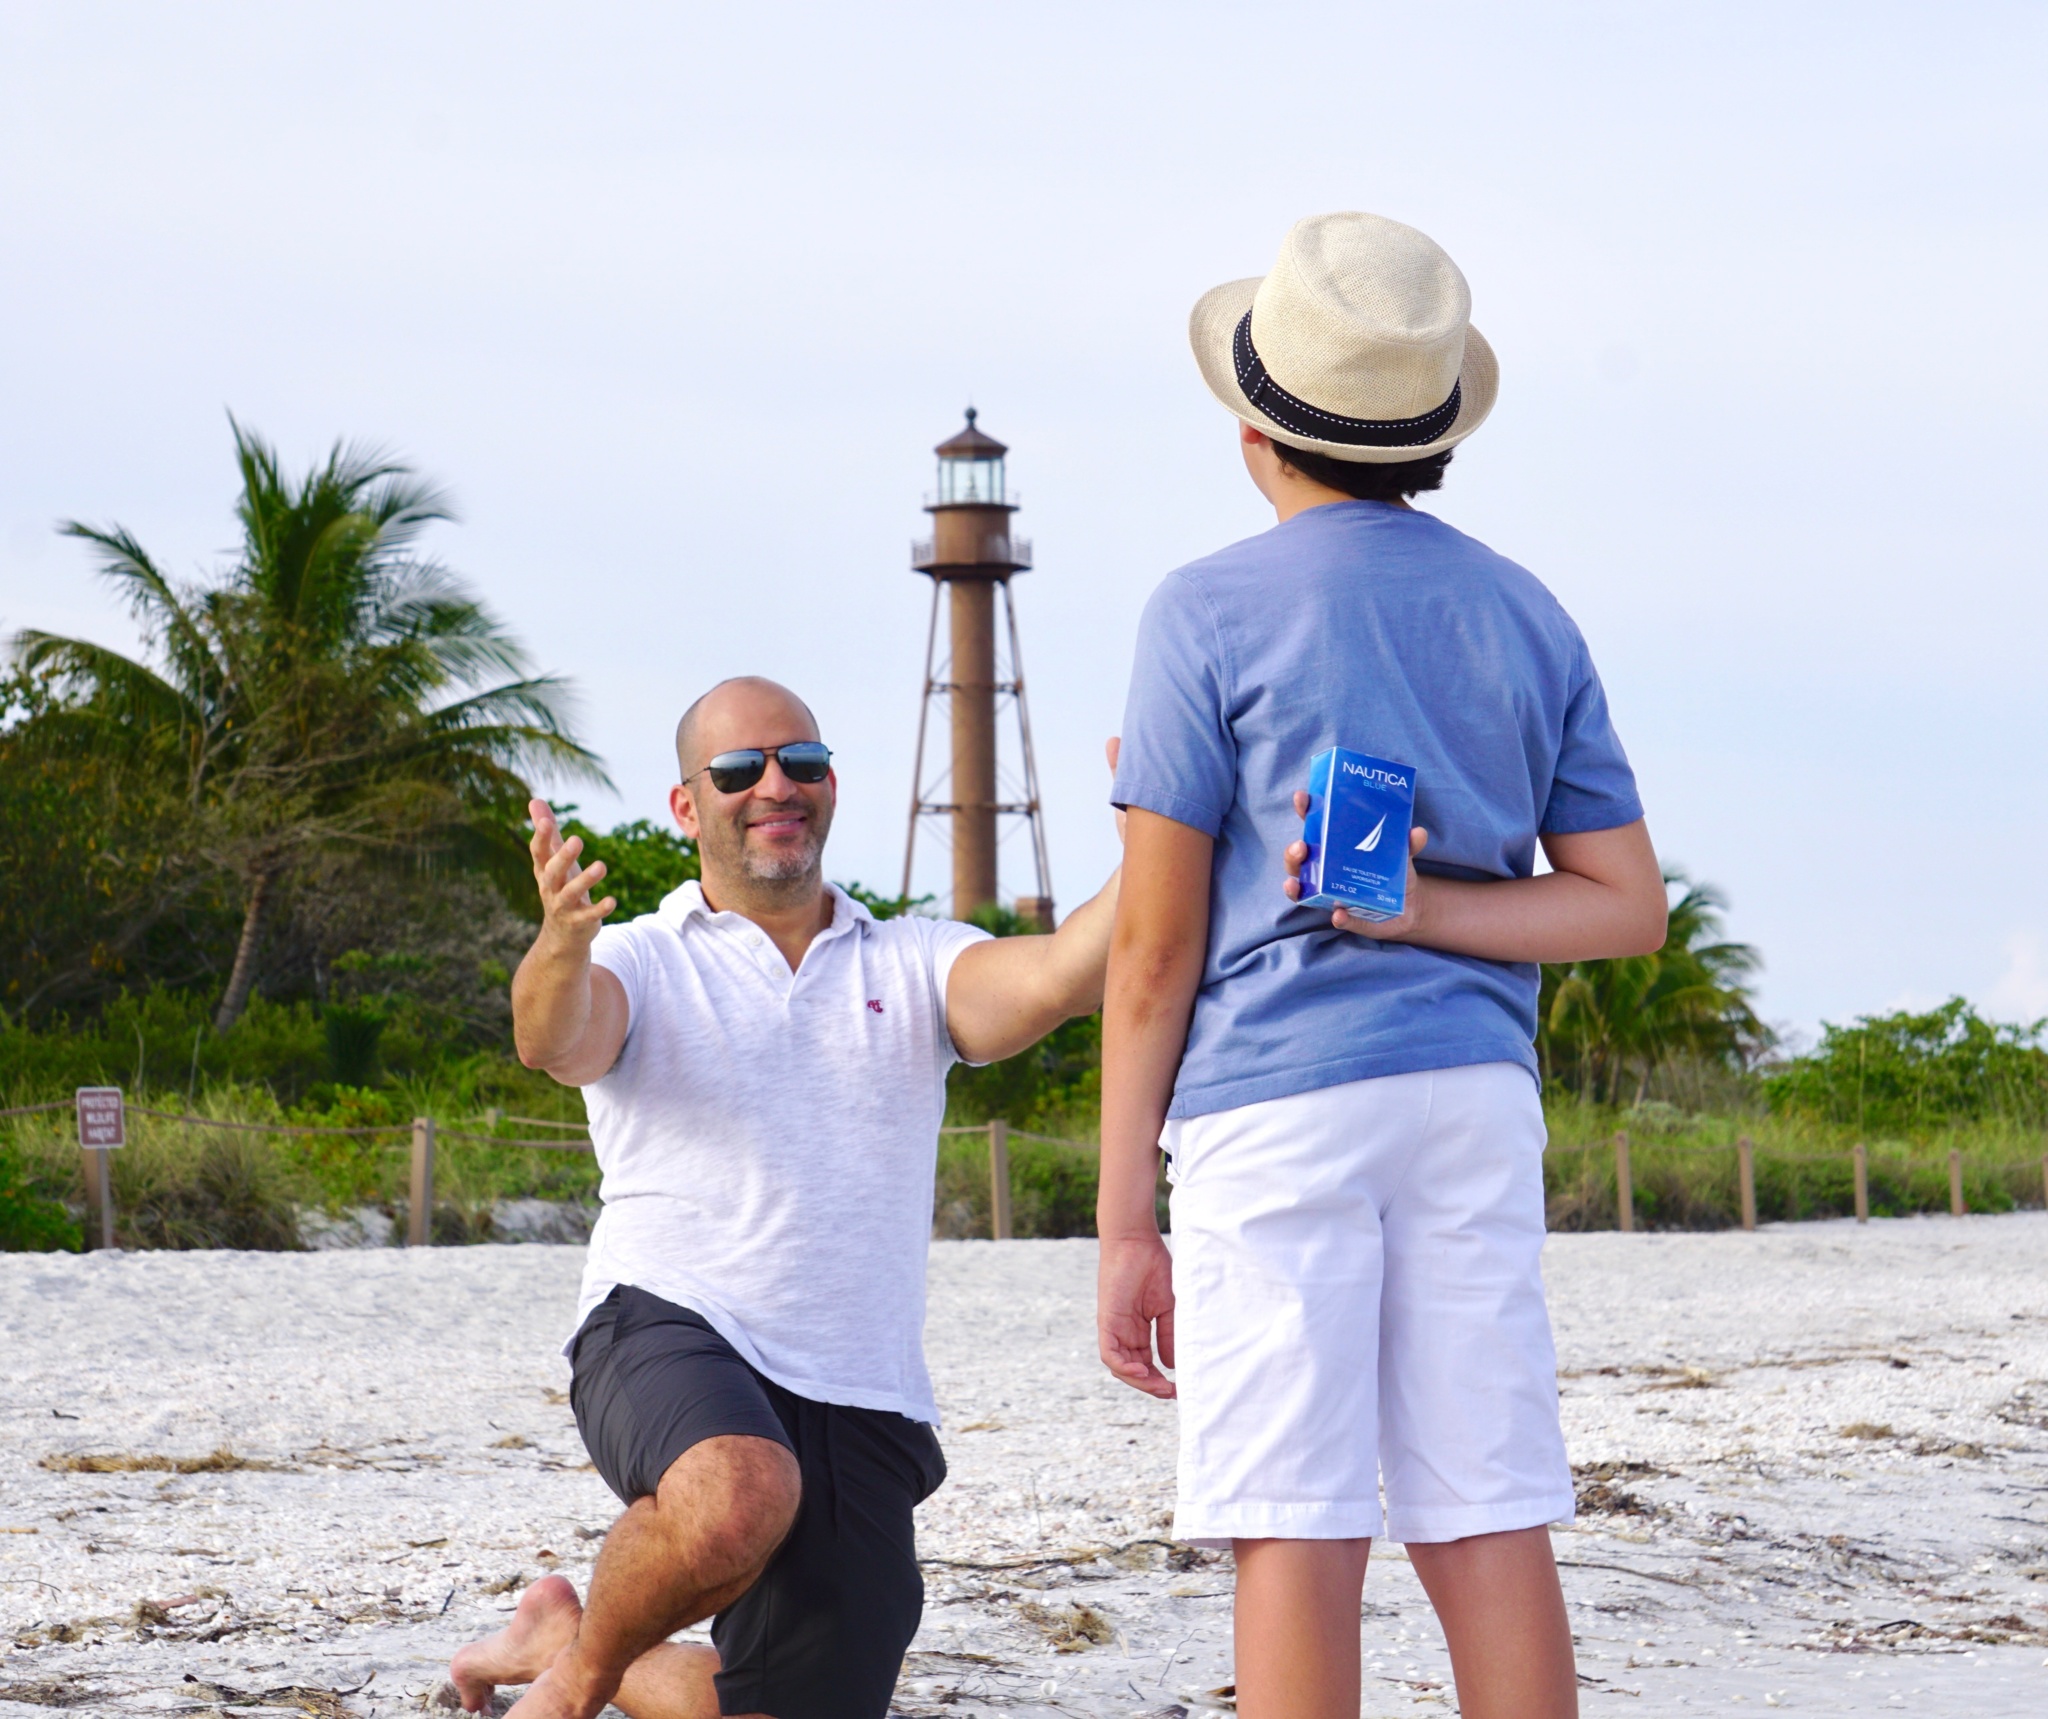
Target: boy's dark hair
{"type": "Point", "coordinates": [1364, 480]}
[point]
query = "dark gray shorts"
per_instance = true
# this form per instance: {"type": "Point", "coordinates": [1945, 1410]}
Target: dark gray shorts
{"type": "Point", "coordinates": [822, 1634]}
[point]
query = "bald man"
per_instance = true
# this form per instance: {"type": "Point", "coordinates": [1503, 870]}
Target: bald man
{"type": "Point", "coordinates": [764, 1064]}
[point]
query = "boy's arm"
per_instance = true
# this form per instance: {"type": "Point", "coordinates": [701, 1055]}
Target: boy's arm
{"type": "Point", "coordinates": [568, 1017]}
{"type": "Point", "coordinates": [1155, 965]}
{"type": "Point", "coordinates": [1605, 897]}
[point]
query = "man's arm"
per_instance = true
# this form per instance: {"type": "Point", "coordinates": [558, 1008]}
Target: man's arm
{"type": "Point", "coordinates": [568, 1017]}
{"type": "Point", "coordinates": [1155, 967]}
{"type": "Point", "coordinates": [1604, 897]}
{"type": "Point", "coordinates": [1004, 995]}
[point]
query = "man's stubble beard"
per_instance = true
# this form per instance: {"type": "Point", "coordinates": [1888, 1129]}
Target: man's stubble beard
{"type": "Point", "coordinates": [779, 876]}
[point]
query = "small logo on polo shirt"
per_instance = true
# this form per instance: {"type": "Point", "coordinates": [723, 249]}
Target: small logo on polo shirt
{"type": "Point", "coordinates": [875, 1003]}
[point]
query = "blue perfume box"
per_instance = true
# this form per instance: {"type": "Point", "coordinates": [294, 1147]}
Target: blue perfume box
{"type": "Point", "coordinates": [1360, 809]}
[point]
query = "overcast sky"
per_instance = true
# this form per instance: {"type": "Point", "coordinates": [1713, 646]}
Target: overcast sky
{"type": "Point", "coordinates": [677, 299]}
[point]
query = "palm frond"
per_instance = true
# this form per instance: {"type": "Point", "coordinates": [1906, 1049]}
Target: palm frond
{"type": "Point", "coordinates": [545, 750]}
{"type": "Point", "coordinates": [167, 616]}
{"type": "Point", "coordinates": [127, 689]}
{"type": "Point", "coordinates": [421, 601]}
{"type": "Point", "coordinates": [543, 702]}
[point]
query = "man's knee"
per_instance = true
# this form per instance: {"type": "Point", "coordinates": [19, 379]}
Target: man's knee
{"type": "Point", "coordinates": [732, 1499]}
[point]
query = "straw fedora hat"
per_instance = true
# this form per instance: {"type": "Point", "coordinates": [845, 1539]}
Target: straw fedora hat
{"type": "Point", "coordinates": [1358, 345]}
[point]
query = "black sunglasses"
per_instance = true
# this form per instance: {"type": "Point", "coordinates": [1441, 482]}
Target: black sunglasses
{"type": "Point", "coordinates": [805, 761]}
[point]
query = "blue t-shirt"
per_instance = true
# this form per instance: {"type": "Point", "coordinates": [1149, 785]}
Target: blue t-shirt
{"type": "Point", "coordinates": [1373, 626]}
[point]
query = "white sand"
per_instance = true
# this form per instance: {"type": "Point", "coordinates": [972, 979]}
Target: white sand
{"type": "Point", "coordinates": [410, 1405]}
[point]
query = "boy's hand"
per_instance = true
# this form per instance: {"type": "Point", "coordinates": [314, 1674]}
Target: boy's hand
{"type": "Point", "coordinates": [1134, 1293]}
{"type": "Point", "coordinates": [1403, 929]}
{"type": "Point", "coordinates": [568, 915]}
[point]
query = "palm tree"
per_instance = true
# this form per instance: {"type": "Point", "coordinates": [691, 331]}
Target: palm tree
{"type": "Point", "coordinates": [328, 691]}
{"type": "Point", "coordinates": [1605, 1018]}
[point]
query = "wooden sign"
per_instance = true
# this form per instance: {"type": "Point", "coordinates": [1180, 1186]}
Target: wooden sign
{"type": "Point", "coordinates": [102, 1117]}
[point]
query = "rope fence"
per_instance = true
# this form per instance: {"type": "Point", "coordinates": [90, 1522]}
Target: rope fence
{"type": "Point", "coordinates": [259, 1127]}
{"type": "Point", "coordinates": [102, 1113]}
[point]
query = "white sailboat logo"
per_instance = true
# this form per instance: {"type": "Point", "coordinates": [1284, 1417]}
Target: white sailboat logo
{"type": "Point", "coordinates": [1372, 841]}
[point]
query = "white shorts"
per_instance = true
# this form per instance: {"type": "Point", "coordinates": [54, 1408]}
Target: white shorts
{"type": "Point", "coordinates": [1359, 1293]}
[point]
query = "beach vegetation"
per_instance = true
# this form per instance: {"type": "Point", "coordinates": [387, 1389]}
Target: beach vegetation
{"type": "Point", "coordinates": [1912, 1071]}
{"type": "Point", "coordinates": [331, 704]}
{"type": "Point", "coordinates": [32, 1219]}
{"type": "Point", "coordinates": [291, 838]}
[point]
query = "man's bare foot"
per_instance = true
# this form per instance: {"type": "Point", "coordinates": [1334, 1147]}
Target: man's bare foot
{"type": "Point", "coordinates": [543, 1701]}
{"type": "Point", "coordinates": [523, 1649]}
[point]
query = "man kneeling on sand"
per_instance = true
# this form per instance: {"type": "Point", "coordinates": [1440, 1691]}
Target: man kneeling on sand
{"type": "Point", "coordinates": [765, 1068]}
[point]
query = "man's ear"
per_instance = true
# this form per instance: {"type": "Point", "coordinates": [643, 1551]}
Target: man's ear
{"type": "Point", "coordinates": [682, 806]}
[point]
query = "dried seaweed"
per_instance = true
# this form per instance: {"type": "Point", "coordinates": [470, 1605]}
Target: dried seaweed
{"type": "Point", "coordinates": [221, 1461]}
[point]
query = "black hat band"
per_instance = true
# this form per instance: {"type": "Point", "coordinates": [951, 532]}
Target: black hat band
{"type": "Point", "coordinates": [1303, 419]}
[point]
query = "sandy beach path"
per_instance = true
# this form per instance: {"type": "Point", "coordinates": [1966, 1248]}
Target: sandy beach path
{"type": "Point", "coordinates": [1813, 1471]}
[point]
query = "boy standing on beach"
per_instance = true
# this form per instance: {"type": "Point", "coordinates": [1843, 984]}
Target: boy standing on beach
{"type": "Point", "coordinates": [1350, 1109]}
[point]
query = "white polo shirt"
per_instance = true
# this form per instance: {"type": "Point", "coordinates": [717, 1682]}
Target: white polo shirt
{"type": "Point", "coordinates": [768, 1139]}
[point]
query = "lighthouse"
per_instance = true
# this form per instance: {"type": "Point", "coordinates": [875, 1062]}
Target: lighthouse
{"type": "Point", "coordinates": [970, 558]}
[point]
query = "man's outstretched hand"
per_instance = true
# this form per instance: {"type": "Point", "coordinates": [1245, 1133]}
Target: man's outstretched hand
{"type": "Point", "coordinates": [1404, 928]}
{"type": "Point", "coordinates": [568, 914]}
{"type": "Point", "coordinates": [569, 1016]}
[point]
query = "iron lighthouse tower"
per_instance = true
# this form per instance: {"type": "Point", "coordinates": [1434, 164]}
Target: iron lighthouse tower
{"type": "Point", "coordinates": [970, 558]}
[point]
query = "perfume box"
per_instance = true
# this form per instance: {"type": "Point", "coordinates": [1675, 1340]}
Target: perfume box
{"type": "Point", "coordinates": [1360, 809]}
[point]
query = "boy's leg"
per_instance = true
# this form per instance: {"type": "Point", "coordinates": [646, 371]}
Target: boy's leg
{"type": "Point", "coordinates": [1498, 1599]}
{"type": "Point", "coordinates": [1297, 1628]}
{"type": "Point", "coordinates": [1276, 1275]}
{"type": "Point", "coordinates": [1471, 1448]}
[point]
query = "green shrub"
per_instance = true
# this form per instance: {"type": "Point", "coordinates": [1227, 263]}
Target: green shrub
{"type": "Point", "coordinates": [1908, 1073]}
{"type": "Point", "coordinates": [30, 1221]}
{"type": "Point", "coordinates": [352, 1037]}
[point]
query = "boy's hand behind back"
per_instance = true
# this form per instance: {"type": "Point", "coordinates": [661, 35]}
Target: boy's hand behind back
{"type": "Point", "coordinates": [1405, 928]}
{"type": "Point", "coordinates": [1603, 897]}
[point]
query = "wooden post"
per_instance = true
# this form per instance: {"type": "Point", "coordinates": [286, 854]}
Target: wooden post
{"type": "Point", "coordinates": [419, 1225]}
{"type": "Point", "coordinates": [1862, 1157]}
{"type": "Point", "coordinates": [1745, 1172]}
{"type": "Point", "coordinates": [999, 1180]}
{"type": "Point", "coordinates": [1956, 1208]}
{"type": "Point", "coordinates": [99, 1197]}
{"type": "Point", "coordinates": [89, 1165]}
{"type": "Point", "coordinates": [1624, 1186]}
